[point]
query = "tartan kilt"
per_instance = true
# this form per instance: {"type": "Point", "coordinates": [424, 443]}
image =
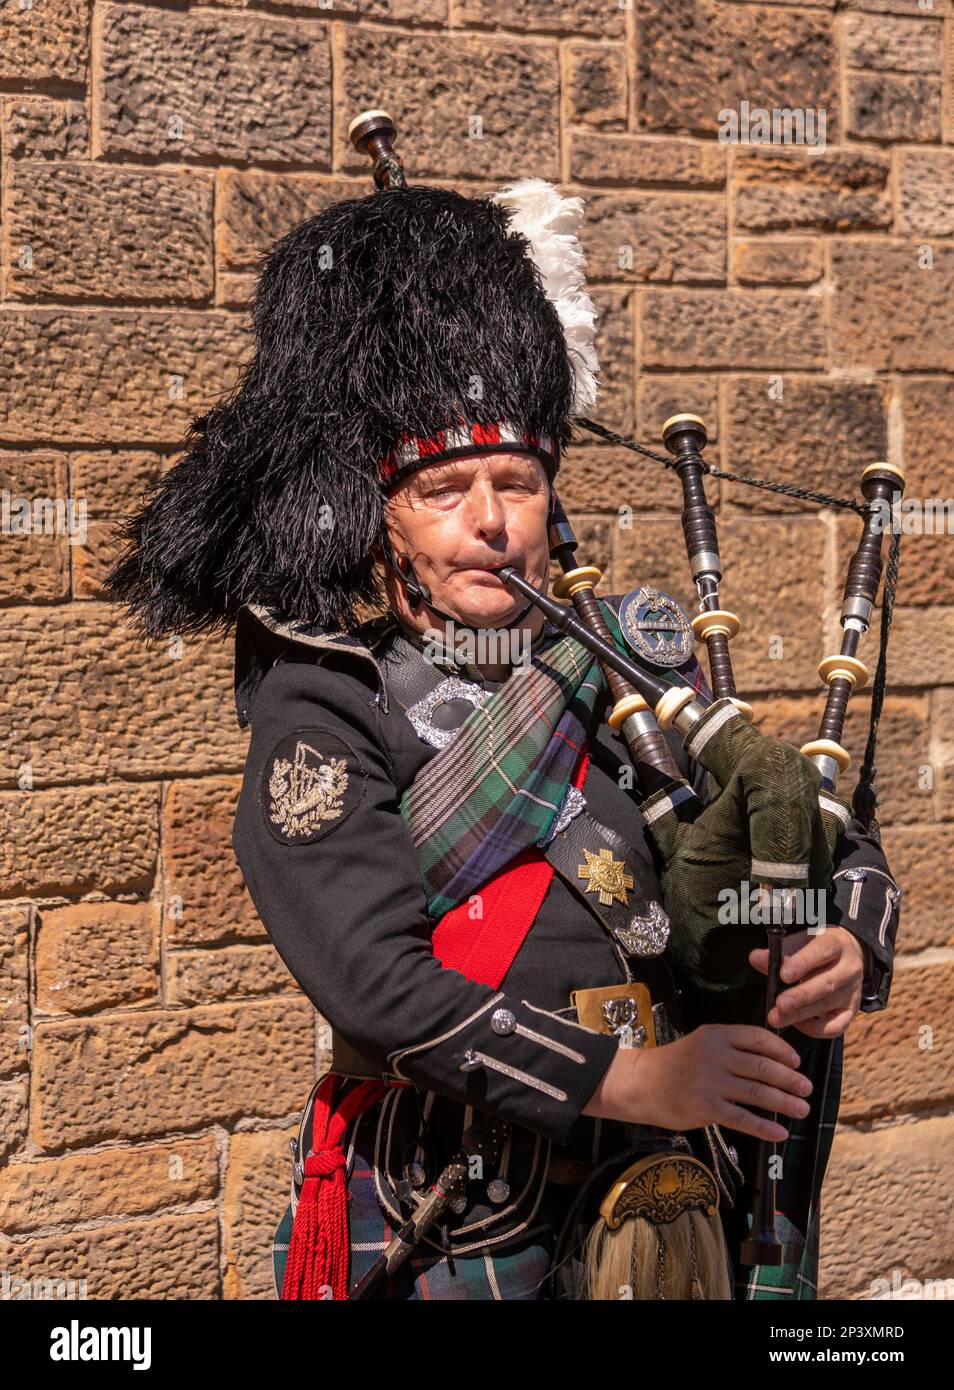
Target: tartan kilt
{"type": "Point", "coordinates": [521, 1273]}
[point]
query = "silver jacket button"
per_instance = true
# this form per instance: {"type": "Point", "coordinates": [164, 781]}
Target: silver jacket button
{"type": "Point", "coordinates": [502, 1021]}
{"type": "Point", "coordinates": [470, 1061]}
{"type": "Point", "coordinates": [498, 1190]}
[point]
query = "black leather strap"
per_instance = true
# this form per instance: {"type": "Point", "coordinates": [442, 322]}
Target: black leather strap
{"type": "Point", "coordinates": [566, 853]}
{"type": "Point", "coordinates": [408, 674]}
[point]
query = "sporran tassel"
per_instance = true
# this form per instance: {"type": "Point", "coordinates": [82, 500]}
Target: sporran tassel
{"type": "Point", "coordinates": [659, 1235]}
{"type": "Point", "coordinates": [683, 1259]}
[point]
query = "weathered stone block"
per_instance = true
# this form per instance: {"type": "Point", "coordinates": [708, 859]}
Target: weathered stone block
{"type": "Point", "coordinates": [595, 85]}
{"type": "Point", "coordinates": [203, 977]}
{"type": "Point", "coordinates": [892, 310]}
{"type": "Point", "coordinates": [76, 839]}
{"type": "Point", "coordinates": [107, 1183]}
{"type": "Point", "coordinates": [44, 41]}
{"type": "Point", "coordinates": [206, 897]}
{"type": "Point", "coordinates": [37, 521]}
{"type": "Point", "coordinates": [94, 702]}
{"type": "Point", "coordinates": [199, 85]}
{"type": "Point", "coordinates": [97, 956]}
{"type": "Point", "coordinates": [696, 59]}
{"type": "Point", "coordinates": [781, 190]}
{"type": "Point", "coordinates": [144, 1074]}
{"type": "Point", "coordinates": [774, 261]}
{"type": "Point", "coordinates": [730, 328]}
{"type": "Point", "coordinates": [902, 1057]}
{"type": "Point", "coordinates": [14, 989]}
{"type": "Point", "coordinates": [175, 1257]}
{"type": "Point", "coordinates": [885, 1183]}
{"type": "Point", "coordinates": [819, 436]}
{"type": "Point", "coordinates": [37, 127]}
{"type": "Point", "coordinates": [640, 160]}
{"type": "Point", "coordinates": [106, 232]}
{"type": "Point", "coordinates": [669, 237]}
{"type": "Point", "coordinates": [894, 106]}
{"type": "Point", "coordinates": [499, 97]}
{"type": "Point", "coordinates": [256, 1194]}
{"type": "Point", "coordinates": [72, 377]}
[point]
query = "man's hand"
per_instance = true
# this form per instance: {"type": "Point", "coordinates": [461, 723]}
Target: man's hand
{"type": "Point", "coordinates": [825, 970]}
{"type": "Point", "coordinates": [708, 1076]}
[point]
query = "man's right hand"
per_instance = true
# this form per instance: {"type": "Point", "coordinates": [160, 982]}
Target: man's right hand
{"type": "Point", "coordinates": [710, 1076]}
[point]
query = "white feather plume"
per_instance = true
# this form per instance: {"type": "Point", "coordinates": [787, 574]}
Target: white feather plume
{"type": "Point", "coordinates": [550, 223]}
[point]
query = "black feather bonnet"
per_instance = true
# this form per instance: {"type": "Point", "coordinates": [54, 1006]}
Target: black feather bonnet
{"type": "Point", "coordinates": [385, 318]}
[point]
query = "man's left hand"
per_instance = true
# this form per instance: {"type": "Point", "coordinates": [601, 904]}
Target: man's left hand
{"type": "Point", "coordinates": [821, 978]}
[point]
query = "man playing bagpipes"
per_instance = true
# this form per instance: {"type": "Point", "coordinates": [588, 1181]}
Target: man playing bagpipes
{"type": "Point", "coordinates": [439, 826]}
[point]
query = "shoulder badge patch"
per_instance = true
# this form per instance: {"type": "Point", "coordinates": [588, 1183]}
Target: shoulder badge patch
{"type": "Point", "coordinates": [312, 781]}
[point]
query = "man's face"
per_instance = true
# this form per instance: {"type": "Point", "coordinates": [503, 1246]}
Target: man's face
{"type": "Point", "coordinates": [461, 520]}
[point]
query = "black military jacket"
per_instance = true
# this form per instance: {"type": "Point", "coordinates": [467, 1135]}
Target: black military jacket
{"type": "Point", "coordinates": [344, 906]}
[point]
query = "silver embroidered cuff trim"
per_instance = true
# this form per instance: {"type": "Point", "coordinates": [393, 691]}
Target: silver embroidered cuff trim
{"type": "Point", "coordinates": [541, 1038]}
{"type": "Point", "coordinates": [403, 1052]}
{"type": "Point", "coordinates": [517, 1075]}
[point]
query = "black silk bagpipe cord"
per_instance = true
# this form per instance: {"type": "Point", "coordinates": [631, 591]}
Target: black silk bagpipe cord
{"type": "Point", "coordinates": [865, 796]}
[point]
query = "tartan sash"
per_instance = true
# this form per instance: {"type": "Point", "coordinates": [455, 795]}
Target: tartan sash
{"type": "Point", "coordinates": [495, 790]}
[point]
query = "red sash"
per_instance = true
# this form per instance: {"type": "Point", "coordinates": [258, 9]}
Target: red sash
{"type": "Point", "coordinates": [478, 939]}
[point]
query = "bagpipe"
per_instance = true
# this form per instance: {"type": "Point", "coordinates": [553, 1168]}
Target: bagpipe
{"type": "Point", "coordinates": [774, 816]}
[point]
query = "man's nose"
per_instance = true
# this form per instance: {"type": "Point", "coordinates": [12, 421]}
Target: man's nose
{"type": "Point", "coordinates": [487, 509]}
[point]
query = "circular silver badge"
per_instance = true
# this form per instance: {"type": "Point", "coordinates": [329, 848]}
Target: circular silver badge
{"type": "Point", "coordinates": [655, 627]}
{"type": "Point", "coordinates": [498, 1190]}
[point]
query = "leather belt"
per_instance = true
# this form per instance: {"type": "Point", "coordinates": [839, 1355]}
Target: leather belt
{"type": "Point", "coordinates": [409, 675]}
{"type": "Point", "coordinates": [569, 1172]}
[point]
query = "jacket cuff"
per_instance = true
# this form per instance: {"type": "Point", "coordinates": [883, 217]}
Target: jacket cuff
{"type": "Point", "coordinates": [509, 1058]}
{"type": "Point", "coordinates": [866, 902]}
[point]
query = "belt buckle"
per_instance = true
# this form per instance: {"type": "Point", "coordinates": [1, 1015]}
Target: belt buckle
{"type": "Point", "coordinates": [623, 1011]}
